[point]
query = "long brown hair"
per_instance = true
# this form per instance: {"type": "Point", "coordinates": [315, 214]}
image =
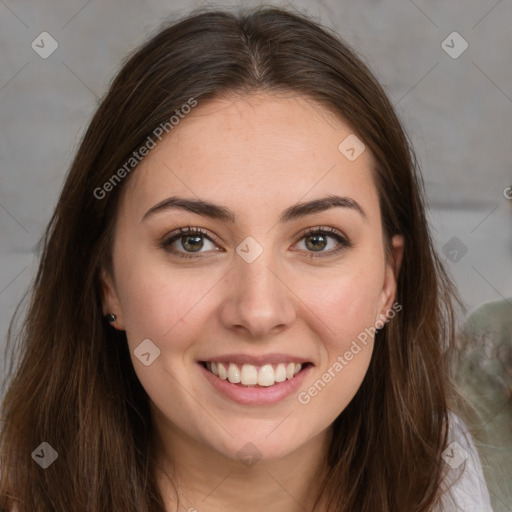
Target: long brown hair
{"type": "Point", "coordinates": [74, 386]}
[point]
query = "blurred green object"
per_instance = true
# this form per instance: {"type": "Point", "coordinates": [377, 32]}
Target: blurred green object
{"type": "Point", "coordinates": [484, 373]}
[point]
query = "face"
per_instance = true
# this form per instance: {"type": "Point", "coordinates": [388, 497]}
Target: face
{"type": "Point", "coordinates": [273, 279]}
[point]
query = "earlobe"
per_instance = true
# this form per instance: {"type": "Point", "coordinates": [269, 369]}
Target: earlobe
{"type": "Point", "coordinates": [110, 302]}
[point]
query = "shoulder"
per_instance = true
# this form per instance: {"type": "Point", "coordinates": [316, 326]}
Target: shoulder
{"type": "Point", "coordinates": [464, 484]}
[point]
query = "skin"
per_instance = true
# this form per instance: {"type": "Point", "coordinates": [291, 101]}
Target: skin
{"type": "Point", "coordinates": [256, 155]}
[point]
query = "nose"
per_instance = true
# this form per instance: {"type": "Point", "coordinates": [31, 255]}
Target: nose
{"type": "Point", "coordinates": [258, 302]}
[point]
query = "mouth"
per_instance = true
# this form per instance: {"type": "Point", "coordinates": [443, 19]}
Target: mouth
{"type": "Point", "coordinates": [252, 376]}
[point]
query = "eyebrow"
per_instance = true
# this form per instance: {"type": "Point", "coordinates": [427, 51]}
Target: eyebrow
{"type": "Point", "coordinates": [214, 211]}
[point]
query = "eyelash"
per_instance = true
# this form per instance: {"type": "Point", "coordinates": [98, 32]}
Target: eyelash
{"type": "Point", "coordinates": [343, 242]}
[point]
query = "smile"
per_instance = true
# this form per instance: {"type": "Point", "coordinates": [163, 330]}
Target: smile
{"type": "Point", "coordinates": [265, 375]}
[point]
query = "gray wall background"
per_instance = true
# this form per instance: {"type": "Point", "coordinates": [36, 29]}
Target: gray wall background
{"type": "Point", "coordinates": [458, 112]}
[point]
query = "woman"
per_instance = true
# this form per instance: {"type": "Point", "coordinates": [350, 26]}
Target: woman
{"type": "Point", "coordinates": [238, 304]}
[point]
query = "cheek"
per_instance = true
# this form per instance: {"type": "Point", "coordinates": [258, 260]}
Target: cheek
{"type": "Point", "coordinates": [347, 307]}
{"type": "Point", "coordinates": [346, 301]}
{"type": "Point", "coordinates": [167, 307]}
{"type": "Point", "coordinates": [157, 301]}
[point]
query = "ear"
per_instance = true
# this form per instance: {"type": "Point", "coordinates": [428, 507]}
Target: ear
{"type": "Point", "coordinates": [392, 271]}
{"type": "Point", "coordinates": [110, 301]}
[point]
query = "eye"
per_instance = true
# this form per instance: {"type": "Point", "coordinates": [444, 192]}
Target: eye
{"type": "Point", "coordinates": [189, 242]}
{"type": "Point", "coordinates": [186, 241]}
{"type": "Point", "coordinates": [317, 239]}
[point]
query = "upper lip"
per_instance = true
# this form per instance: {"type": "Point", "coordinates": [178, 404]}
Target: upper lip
{"type": "Point", "coordinates": [256, 360]}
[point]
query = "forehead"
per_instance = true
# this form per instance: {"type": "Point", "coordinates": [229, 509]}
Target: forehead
{"type": "Point", "coordinates": [251, 153]}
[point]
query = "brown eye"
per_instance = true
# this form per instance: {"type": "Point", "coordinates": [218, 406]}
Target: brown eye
{"type": "Point", "coordinates": [186, 242]}
{"type": "Point", "coordinates": [192, 243]}
{"type": "Point", "coordinates": [317, 240]}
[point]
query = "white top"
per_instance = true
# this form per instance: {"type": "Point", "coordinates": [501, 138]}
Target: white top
{"type": "Point", "coordinates": [469, 493]}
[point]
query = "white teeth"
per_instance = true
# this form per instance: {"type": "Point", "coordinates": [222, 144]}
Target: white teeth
{"type": "Point", "coordinates": [233, 373]}
{"type": "Point", "coordinates": [250, 375]}
{"type": "Point", "coordinates": [223, 374]}
{"type": "Point", "coordinates": [280, 373]}
{"type": "Point", "coordinates": [266, 375]}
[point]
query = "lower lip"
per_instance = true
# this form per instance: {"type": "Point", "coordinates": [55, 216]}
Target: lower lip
{"type": "Point", "coordinates": [256, 395]}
